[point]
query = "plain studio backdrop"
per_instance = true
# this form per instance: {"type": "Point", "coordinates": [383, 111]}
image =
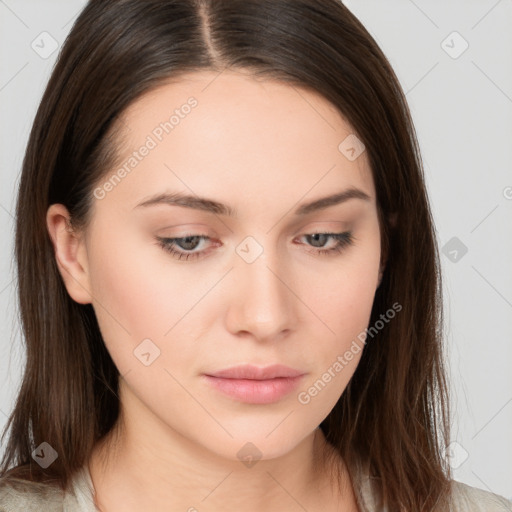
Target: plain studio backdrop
{"type": "Point", "coordinates": [454, 61]}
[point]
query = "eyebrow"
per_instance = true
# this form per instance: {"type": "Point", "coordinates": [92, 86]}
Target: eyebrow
{"type": "Point", "coordinates": [211, 206]}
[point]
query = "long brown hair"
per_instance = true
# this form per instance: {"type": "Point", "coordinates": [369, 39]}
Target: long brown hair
{"type": "Point", "coordinates": [394, 413]}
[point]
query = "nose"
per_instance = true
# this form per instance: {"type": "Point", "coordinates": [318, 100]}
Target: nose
{"type": "Point", "coordinates": [262, 303]}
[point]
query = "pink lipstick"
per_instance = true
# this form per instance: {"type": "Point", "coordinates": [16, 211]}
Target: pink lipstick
{"type": "Point", "coordinates": [255, 385]}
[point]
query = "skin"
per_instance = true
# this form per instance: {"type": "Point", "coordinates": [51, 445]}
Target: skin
{"type": "Point", "coordinates": [264, 148]}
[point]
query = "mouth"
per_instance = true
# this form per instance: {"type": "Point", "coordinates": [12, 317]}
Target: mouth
{"type": "Point", "coordinates": [255, 385]}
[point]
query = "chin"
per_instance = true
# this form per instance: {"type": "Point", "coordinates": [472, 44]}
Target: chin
{"type": "Point", "coordinates": [250, 446]}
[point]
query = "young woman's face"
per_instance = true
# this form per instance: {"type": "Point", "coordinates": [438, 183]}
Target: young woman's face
{"type": "Point", "coordinates": [253, 278]}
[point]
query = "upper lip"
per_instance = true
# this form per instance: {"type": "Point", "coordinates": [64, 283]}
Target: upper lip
{"type": "Point", "coordinates": [247, 371]}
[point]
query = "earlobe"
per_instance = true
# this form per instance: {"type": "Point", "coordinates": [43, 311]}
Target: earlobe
{"type": "Point", "coordinates": [70, 253]}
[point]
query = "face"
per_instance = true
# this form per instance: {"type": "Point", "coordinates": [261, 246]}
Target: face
{"type": "Point", "coordinates": [240, 273]}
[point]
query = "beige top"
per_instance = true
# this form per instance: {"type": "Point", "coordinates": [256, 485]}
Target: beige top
{"type": "Point", "coordinates": [19, 495]}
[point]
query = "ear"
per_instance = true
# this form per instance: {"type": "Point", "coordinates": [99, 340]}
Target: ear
{"type": "Point", "coordinates": [70, 253]}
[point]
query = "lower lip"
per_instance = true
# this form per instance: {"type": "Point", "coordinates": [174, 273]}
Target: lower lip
{"type": "Point", "coordinates": [255, 391]}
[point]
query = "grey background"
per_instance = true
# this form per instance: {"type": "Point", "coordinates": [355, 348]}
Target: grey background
{"type": "Point", "coordinates": [462, 108]}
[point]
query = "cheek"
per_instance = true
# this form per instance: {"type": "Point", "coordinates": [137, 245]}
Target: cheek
{"type": "Point", "coordinates": [130, 299]}
{"type": "Point", "coordinates": [337, 353]}
{"type": "Point", "coordinates": [141, 293]}
{"type": "Point", "coordinates": [342, 299]}
{"type": "Point", "coordinates": [343, 296]}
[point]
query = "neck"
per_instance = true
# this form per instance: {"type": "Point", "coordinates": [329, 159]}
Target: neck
{"type": "Point", "coordinates": [132, 470]}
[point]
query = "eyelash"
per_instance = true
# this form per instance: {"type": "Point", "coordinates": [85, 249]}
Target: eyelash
{"type": "Point", "coordinates": [344, 240]}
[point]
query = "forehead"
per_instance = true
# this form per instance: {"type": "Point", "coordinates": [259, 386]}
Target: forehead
{"type": "Point", "coordinates": [232, 134]}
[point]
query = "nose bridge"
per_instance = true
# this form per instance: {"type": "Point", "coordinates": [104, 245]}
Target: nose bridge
{"type": "Point", "coordinates": [262, 303]}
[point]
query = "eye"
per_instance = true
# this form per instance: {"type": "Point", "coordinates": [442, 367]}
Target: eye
{"type": "Point", "coordinates": [185, 247]}
{"type": "Point", "coordinates": [188, 243]}
{"type": "Point", "coordinates": [341, 241]}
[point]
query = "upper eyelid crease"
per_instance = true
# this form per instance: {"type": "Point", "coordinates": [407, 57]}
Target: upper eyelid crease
{"type": "Point", "coordinates": [209, 205]}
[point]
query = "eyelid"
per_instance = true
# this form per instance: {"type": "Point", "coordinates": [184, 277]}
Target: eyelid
{"type": "Point", "coordinates": [343, 241]}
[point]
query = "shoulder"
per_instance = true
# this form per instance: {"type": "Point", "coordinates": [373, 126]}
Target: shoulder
{"type": "Point", "coordinates": [18, 495]}
{"type": "Point", "coordinates": [463, 497]}
{"type": "Point", "coordinates": [471, 499]}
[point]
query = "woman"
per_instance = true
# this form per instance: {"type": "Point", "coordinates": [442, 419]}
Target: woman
{"type": "Point", "coordinates": [235, 299]}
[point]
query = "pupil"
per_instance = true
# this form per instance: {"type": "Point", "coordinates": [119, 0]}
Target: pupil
{"type": "Point", "coordinates": [319, 237]}
{"type": "Point", "coordinates": [187, 240]}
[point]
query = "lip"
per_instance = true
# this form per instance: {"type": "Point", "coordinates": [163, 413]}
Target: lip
{"type": "Point", "coordinates": [255, 385]}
